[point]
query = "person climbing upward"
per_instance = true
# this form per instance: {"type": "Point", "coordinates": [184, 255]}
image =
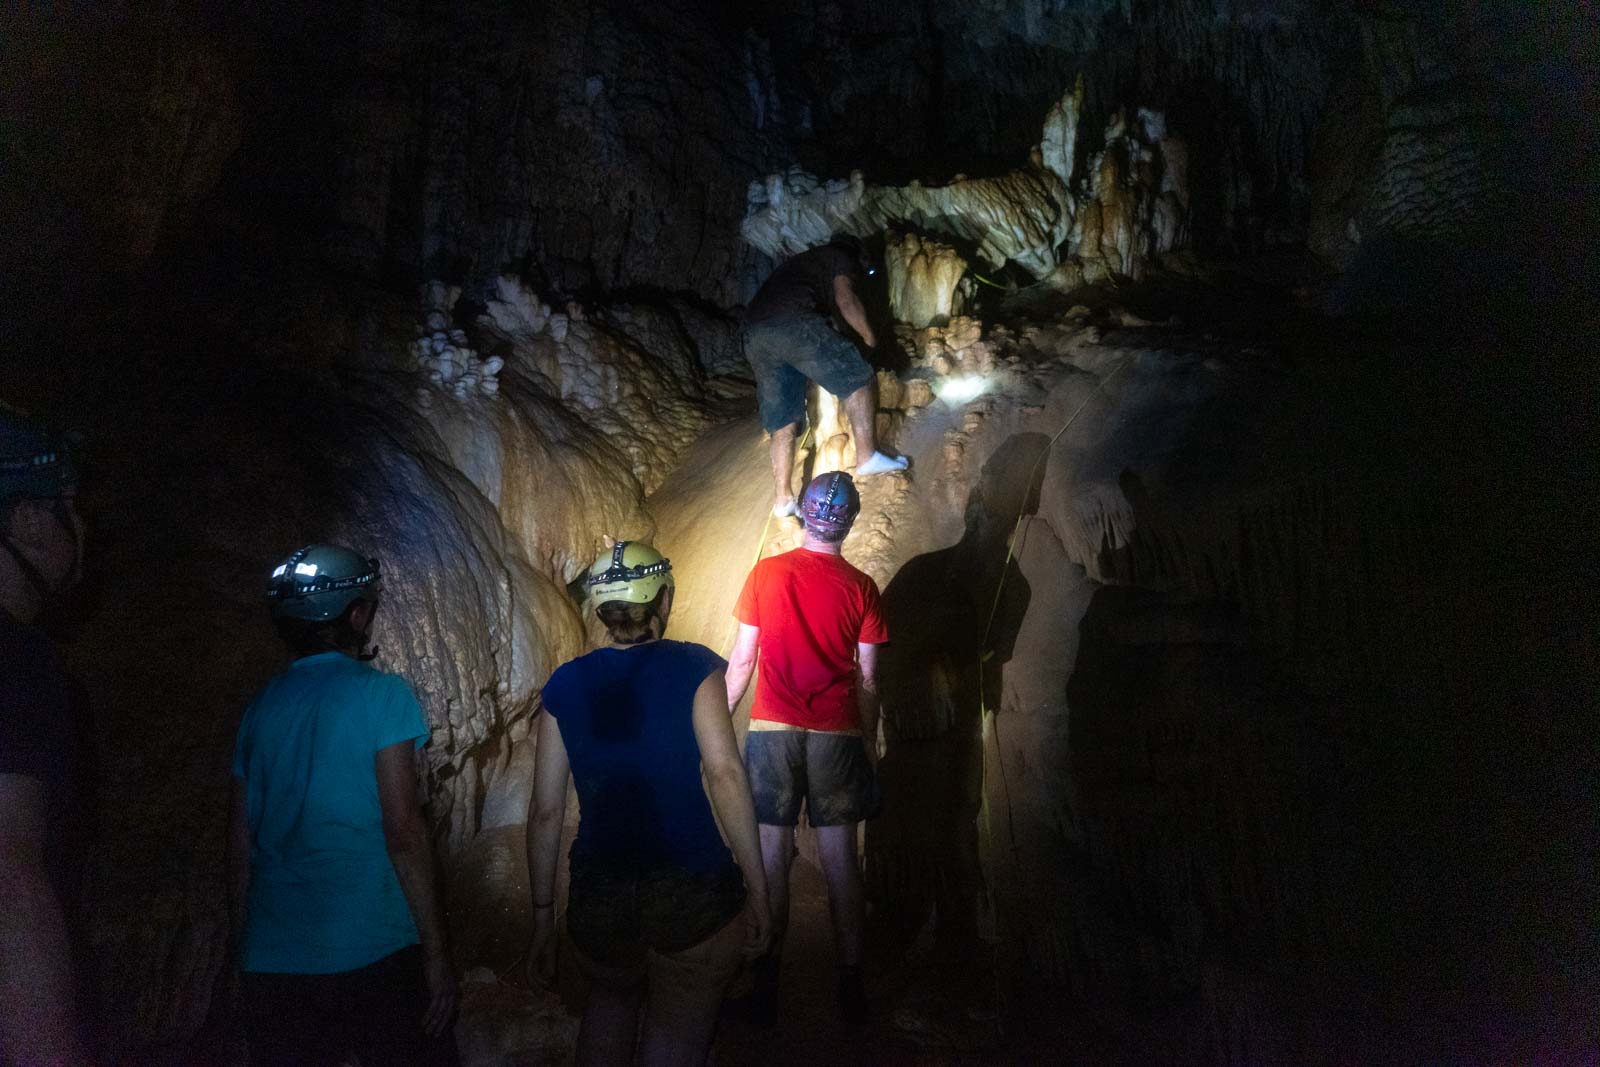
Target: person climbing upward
{"type": "Point", "coordinates": [657, 909]}
{"type": "Point", "coordinates": [814, 623]}
{"type": "Point", "coordinates": [794, 332]}
{"type": "Point", "coordinates": [336, 918]}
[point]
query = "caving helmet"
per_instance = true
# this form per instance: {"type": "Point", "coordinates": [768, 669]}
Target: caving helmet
{"type": "Point", "coordinates": [830, 503]}
{"type": "Point", "coordinates": [34, 464]}
{"type": "Point", "coordinates": [319, 582]}
{"type": "Point", "coordinates": [634, 572]}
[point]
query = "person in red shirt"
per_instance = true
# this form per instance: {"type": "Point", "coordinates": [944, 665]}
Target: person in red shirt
{"type": "Point", "coordinates": [814, 622]}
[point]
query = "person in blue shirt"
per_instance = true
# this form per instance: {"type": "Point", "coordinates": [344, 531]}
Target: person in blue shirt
{"type": "Point", "coordinates": [338, 927]}
{"type": "Point", "coordinates": [658, 911]}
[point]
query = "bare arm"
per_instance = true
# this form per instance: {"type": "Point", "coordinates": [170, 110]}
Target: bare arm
{"type": "Point", "coordinates": [730, 799]}
{"type": "Point", "coordinates": [238, 863]}
{"type": "Point", "coordinates": [547, 811]}
{"type": "Point", "coordinates": [405, 835]}
{"type": "Point", "coordinates": [867, 697]}
{"type": "Point", "coordinates": [37, 1024]}
{"type": "Point", "coordinates": [844, 297]}
{"type": "Point", "coordinates": [742, 663]}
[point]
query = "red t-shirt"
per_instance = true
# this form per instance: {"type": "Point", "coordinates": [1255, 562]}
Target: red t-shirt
{"type": "Point", "coordinates": [813, 608]}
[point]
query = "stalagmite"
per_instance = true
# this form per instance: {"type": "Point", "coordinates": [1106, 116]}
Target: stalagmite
{"type": "Point", "coordinates": [924, 279]}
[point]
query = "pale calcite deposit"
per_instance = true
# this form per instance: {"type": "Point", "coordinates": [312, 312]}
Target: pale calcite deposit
{"type": "Point", "coordinates": [924, 279]}
{"type": "Point", "coordinates": [1130, 206]}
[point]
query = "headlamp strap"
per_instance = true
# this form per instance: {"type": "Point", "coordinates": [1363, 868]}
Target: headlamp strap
{"type": "Point", "coordinates": [618, 572]}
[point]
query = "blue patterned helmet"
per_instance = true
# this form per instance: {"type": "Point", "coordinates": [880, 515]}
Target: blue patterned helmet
{"type": "Point", "coordinates": [830, 503]}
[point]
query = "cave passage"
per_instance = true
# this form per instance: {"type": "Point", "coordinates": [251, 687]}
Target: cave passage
{"type": "Point", "coordinates": [1239, 703]}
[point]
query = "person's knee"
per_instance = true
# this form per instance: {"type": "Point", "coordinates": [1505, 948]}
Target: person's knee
{"type": "Point", "coordinates": [777, 847]}
{"type": "Point", "coordinates": [862, 393]}
{"type": "Point", "coordinates": [836, 847]}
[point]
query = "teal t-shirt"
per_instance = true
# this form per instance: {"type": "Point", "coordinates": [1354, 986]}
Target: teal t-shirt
{"type": "Point", "coordinates": [323, 896]}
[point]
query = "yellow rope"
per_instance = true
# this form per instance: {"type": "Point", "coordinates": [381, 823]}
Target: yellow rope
{"type": "Point", "coordinates": [761, 545]}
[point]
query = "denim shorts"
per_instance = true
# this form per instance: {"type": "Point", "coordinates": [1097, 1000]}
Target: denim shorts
{"type": "Point", "coordinates": [785, 353]}
{"type": "Point", "coordinates": [828, 771]}
{"type": "Point", "coordinates": [615, 919]}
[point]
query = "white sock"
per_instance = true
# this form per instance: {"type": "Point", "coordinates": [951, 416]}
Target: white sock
{"type": "Point", "coordinates": [783, 511]}
{"type": "Point", "coordinates": [878, 463]}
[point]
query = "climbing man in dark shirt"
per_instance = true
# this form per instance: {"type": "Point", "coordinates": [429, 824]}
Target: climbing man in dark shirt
{"type": "Point", "coordinates": [793, 333]}
{"type": "Point", "coordinates": [41, 548]}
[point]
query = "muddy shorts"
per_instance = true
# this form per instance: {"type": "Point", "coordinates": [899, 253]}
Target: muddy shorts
{"type": "Point", "coordinates": [616, 921]}
{"type": "Point", "coordinates": [785, 353]}
{"type": "Point", "coordinates": [828, 771]}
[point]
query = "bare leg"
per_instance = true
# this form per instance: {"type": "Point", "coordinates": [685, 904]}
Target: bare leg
{"type": "Point", "coordinates": [862, 407]}
{"type": "Point", "coordinates": [686, 990]}
{"type": "Point", "coordinates": [783, 467]}
{"type": "Point", "coordinates": [610, 1026]}
{"type": "Point", "coordinates": [836, 847]}
{"type": "Point", "coordinates": [777, 849]}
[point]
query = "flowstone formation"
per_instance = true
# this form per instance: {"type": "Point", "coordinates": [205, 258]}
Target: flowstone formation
{"type": "Point", "coordinates": [1127, 207]}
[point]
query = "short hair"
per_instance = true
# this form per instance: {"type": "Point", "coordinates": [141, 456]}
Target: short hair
{"type": "Point", "coordinates": [628, 623]}
{"type": "Point", "coordinates": [828, 535]}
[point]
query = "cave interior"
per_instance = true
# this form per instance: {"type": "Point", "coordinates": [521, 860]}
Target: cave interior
{"type": "Point", "coordinates": [1239, 705]}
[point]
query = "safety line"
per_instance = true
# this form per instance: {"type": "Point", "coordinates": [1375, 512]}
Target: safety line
{"type": "Point", "coordinates": [761, 545]}
{"type": "Point", "coordinates": [988, 720]}
{"type": "Point", "coordinates": [1007, 288]}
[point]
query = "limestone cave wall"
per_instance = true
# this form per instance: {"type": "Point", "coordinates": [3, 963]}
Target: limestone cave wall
{"type": "Point", "coordinates": [1232, 657]}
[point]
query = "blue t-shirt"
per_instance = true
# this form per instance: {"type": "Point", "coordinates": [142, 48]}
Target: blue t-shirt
{"type": "Point", "coordinates": [324, 897]}
{"type": "Point", "coordinates": [627, 720]}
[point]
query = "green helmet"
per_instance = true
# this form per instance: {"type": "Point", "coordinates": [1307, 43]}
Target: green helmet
{"type": "Point", "coordinates": [318, 582]}
{"type": "Point", "coordinates": [634, 572]}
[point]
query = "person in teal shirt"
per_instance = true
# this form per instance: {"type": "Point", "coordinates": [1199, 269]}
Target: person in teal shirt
{"type": "Point", "coordinates": [338, 927]}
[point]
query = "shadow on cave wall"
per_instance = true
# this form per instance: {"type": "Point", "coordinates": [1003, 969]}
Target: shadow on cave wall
{"type": "Point", "coordinates": [922, 854]}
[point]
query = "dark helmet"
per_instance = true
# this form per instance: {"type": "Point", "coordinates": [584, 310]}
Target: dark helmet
{"type": "Point", "coordinates": [34, 463]}
{"type": "Point", "coordinates": [830, 503]}
{"type": "Point", "coordinates": [318, 582]}
{"type": "Point", "coordinates": [857, 249]}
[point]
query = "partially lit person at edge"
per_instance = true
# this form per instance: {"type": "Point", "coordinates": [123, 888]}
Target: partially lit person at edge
{"type": "Point", "coordinates": [42, 784]}
{"type": "Point", "coordinates": [657, 910]}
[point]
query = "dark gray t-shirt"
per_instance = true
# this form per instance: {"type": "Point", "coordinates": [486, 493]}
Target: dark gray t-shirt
{"type": "Point", "coordinates": [803, 285]}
